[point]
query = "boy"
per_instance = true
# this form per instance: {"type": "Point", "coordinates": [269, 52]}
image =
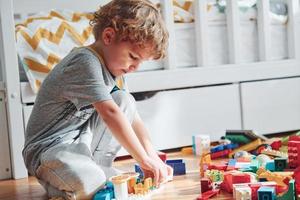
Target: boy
{"type": "Point", "coordinates": [81, 110]}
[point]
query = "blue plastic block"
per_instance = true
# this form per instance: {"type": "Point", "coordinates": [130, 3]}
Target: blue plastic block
{"type": "Point", "coordinates": [270, 165]}
{"type": "Point", "coordinates": [231, 146]}
{"type": "Point", "coordinates": [138, 169]}
{"type": "Point", "coordinates": [231, 162]}
{"type": "Point", "coordinates": [106, 193]}
{"type": "Point", "coordinates": [178, 166]}
{"type": "Point", "coordinates": [217, 148]}
{"type": "Point", "coordinates": [266, 193]}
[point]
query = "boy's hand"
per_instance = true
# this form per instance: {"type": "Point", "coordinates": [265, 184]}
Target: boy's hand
{"type": "Point", "coordinates": [159, 170]}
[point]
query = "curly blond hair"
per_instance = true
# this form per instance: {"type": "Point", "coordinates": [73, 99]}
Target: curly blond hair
{"type": "Point", "coordinates": [137, 21]}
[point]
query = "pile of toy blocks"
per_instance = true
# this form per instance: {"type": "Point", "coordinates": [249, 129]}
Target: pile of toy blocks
{"type": "Point", "coordinates": [136, 185]}
{"type": "Point", "coordinates": [254, 170]}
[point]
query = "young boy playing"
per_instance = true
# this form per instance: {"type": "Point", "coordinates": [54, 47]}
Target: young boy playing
{"type": "Point", "coordinates": [82, 110]}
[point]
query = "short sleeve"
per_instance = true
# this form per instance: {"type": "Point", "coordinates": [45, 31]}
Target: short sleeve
{"type": "Point", "coordinates": [83, 80]}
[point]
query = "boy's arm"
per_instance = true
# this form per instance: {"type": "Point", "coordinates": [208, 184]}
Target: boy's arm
{"type": "Point", "coordinates": [143, 136]}
{"type": "Point", "coordinates": [122, 130]}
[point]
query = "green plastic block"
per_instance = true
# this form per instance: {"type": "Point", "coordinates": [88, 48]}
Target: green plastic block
{"type": "Point", "coordinates": [290, 194]}
{"type": "Point", "coordinates": [254, 165]}
{"type": "Point", "coordinates": [240, 139]}
{"type": "Point", "coordinates": [280, 164]}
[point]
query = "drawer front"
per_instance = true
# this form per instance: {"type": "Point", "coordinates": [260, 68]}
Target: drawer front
{"type": "Point", "coordinates": [172, 117]}
{"type": "Point", "coordinates": [271, 106]}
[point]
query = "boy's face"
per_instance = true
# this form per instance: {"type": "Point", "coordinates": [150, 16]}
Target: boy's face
{"type": "Point", "coordinates": [122, 57]}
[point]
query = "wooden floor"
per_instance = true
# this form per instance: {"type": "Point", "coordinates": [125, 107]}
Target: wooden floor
{"type": "Point", "coordinates": [181, 188]}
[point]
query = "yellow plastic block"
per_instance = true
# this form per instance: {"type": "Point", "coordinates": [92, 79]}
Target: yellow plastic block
{"type": "Point", "coordinates": [247, 147]}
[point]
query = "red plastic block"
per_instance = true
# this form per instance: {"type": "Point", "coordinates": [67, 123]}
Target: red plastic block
{"type": "Point", "coordinates": [241, 178]}
{"type": "Point", "coordinates": [221, 167]}
{"type": "Point", "coordinates": [162, 155]}
{"type": "Point", "coordinates": [220, 154]}
{"type": "Point", "coordinates": [276, 145]}
{"type": "Point", "coordinates": [208, 194]}
{"type": "Point", "coordinates": [205, 185]}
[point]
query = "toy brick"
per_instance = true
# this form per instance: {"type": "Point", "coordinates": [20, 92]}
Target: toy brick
{"type": "Point", "coordinates": [201, 144]}
{"type": "Point", "coordinates": [205, 185]}
{"type": "Point", "coordinates": [254, 165]}
{"type": "Point", "coordinates": [274, 153]}
{"type": "Point", "coordinates": [231, 164]}
{"type": "Point", "coordinates": [178, 166]}
{"type": "Point", "coordinates": [187, 150]}
{"type": "Point", "coordinates": [241, 178]}
{"type": "Point", "coordinates": [248, 147]}
{"type": "Point", "coordinates": [270, 165]}
{"type": "Point", "coordinates": [139, 170]}
{"type": "Point", "coordinates": [290, 194]}
{"type": "Point", "coordinates": [220, 154]}
{"type": "Point", "coordinates": [217, 148]}
{"type": "Point", "coordinates": [162, 155]}
{"type": "Point", "coordinates": [280, 164]}
{"type": "Point", "coordinates": [242, 193]}
{"type": "Point", "coordinates": [106, 193]}
{"type": "Point", "coordinates": [276, 145]}
{"type": "Point", "coordinates": [227, 183]}
{"type": "Point", "coordinates": [266, 193]}
{"type": "Point", "coordinates": [208, 194]}
{"type": "Point", "coordinates": [221, 167]}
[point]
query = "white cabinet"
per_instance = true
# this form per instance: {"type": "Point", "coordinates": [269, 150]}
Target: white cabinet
{"type": "Point", "coordinates": [271, 106]}
{"type": "Point", "coordinates": [172, 117]}
{"type": "Point", "coordinates": [5, 167]}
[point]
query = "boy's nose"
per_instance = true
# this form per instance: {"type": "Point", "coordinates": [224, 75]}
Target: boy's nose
{"type": "Point", "coordinates": [133, 67]}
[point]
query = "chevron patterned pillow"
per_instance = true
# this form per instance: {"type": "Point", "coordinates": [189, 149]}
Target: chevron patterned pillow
{"type": "Point", "coordinates": [44, 39]}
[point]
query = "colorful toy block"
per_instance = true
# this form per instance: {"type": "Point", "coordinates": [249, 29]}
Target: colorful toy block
{"type": "Point", "coordinates": [201, 144]}
{"type": "Point", "coordinates": [139, 170]}
{"type": "Point", "coordinates": [162, 155]}
{"type": "Point", "coordinates": [248, 147]}
{"type": "Point", "coordinates": [272, 176]}
{"type": "Point", "coordinates": [294, 154]}
{"type": "Point", "coordinates": [208, 194]}
{"type": "Point", "coordinates": [276, 145]}
{"type": "Point", "coordinates": [205, 185]}
{"type": "Point", "coordinates": [220, 154]}
{"type": "Point", "coordinates": [223, 147]}
{"type": "Point", "coordinates": [234, 178]}
{"type": "Point", "coordinates": [178, 166]}
{"type": "Point", "coordinates": [266, 193]}
{"type": "Point", "coordinates": [242, 136]}
{"type": "Point", "coordinates": [274, 153]}
{"type": "Point", "coordinates": [106, 193]}
{"type": "Point", "coordinates": [187, 150]}
{"type": "Point", "coordinates": [270, 165]}
{"type": "Point", "coordinates": [214, 175]}
{"type": "Point", "coordinates": [280, 164]}
{"type": "Point", "coordinates": [290, 194]}
{"type": "Point", "coordinates": [242, 193]}
{"type": "Point", "coordinates": [204, 163]}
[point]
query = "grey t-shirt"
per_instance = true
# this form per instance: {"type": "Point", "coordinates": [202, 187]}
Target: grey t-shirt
{"type": "Point", "coordinates": [64, 102]}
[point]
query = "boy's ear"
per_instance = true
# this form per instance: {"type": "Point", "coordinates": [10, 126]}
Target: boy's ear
{"type": "Point", "coordinates": [108, 35]}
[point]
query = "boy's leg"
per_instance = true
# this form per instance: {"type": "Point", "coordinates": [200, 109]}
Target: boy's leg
{"type": "Point", "coordinates": [68, 170]}
{"type": "Point", "coordinates": [104, 145]}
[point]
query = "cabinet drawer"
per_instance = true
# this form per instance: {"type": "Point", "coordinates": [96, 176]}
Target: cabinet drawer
{"type": "Point", "coordinates": [271, 106]}
{"type": "Point", "coordinates": [172, 117]}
